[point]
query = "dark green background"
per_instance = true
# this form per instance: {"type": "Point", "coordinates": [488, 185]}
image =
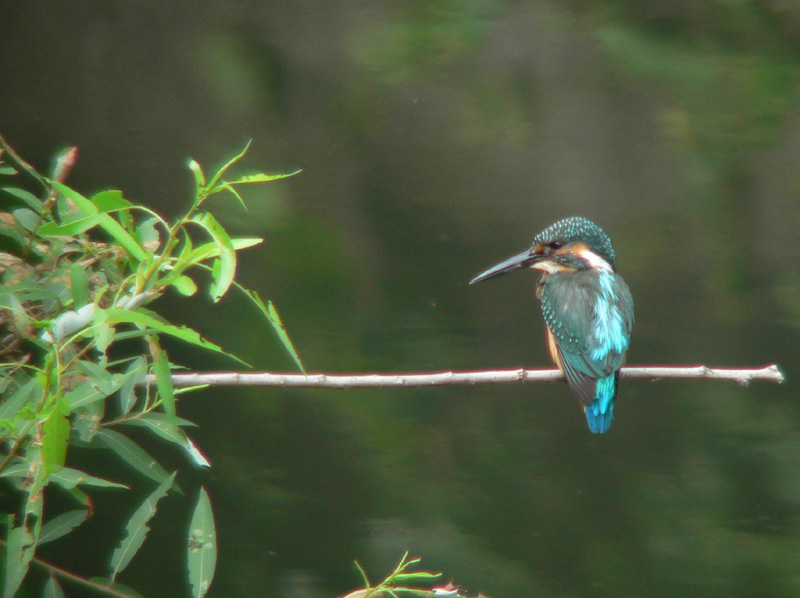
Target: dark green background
{"type": "Point", "coordinates": [436, 138]}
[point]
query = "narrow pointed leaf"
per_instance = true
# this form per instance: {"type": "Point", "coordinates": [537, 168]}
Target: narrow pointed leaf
{"type": "Point", "coordinates": [261, 177]}
{"type": "Point", "coordinates": [86, 394]}
{"type": "Point", "coordinates": [110, 200]}
{"type": "Point", "coordinates": [55, 434]}
{"type": "Point", "coordinates": [27, 219]}
{"type": "Point", "coordinates": [111, 226]}
{"type": "Point", "coordinates": [245, 242]}
{"type": "Point", "coordinates": [69, 478]}
{"type": "Point", "coordinates": [17, 469]}
{"type": "Point", "coordinates": [195, 453]}
{"type": "Point", "coordinates": [29, 198]}
{"type": "Point", "coordinates": [185, 286]}
{"type": "Point", "coordinates": [183, 261]}
{"type": "Point", "coordinates": [211, 250]}
{"type": "Point", "coordinates": [52, 589]}
{"type": "Point", "coordinates": [10, 407]}
{"type": "Point", "coordinates": [163, 377]}
{"type": "Point", "coordinates": [119, 316]}
{"type": "Point", "coordinates": [132, 454]}
{"type": "Point", "coordinates": [19, 549]}
{"type": "Point", "coordinates": [221, 172]}
{"type": "Point", "coordinates": [159, 419]}
{"type": "Point", "coordinates": [415, 577]}
{"type": "Point", "coordinates": [159, 424]}
{"type": "Point", "coordinates": [226, 271]}
{"type": "Point", "coordinates": [62, 525]}
{"type": "Point", "coordinates": [80, 286]}
{"type": "Point", "coordinates": [202, 546]}
{"type": "Point", "coordinates": [76, 227]}
{"type": "Point", "coordinates": [135, 374]}
{"type": "Point", "coordinates": [274, 318]}
{"type": "Point", "coordinates": [137, 528]}
{"type": "Point", "coordinates": [230, 189]}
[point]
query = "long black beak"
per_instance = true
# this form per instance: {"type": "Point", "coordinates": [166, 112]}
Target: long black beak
{"type": "Point", "coordinates": [523, 260]}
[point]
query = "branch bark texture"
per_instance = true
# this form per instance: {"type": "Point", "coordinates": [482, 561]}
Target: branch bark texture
{"type": "Point", "coordinates": [769, 373]}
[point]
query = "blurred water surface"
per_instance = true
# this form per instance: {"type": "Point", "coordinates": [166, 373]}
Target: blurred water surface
{"type": "Point", "coordinates": [436, 138]}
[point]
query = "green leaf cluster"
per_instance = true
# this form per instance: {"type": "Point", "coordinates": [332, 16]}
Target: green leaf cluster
{"type": "Point", "coordinates": [79, 274]}
{"type": "Point", "coordinates": [403, 581]}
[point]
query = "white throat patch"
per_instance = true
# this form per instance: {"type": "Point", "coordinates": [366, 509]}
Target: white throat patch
{"type": "Point", "coordinates": [549, 267]}
{"type": "Point", "coordinates": [594, 261]}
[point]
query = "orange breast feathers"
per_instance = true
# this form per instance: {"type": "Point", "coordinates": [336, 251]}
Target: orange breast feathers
{"type": "Point", "coordinates": [551, 345]}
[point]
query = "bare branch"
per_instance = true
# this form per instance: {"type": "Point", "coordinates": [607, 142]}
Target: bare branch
{"type": "Point", "coordinates": [343, 381]}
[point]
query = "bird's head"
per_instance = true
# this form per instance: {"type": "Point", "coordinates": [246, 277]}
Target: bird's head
{"type": "Point", "coordinates": [569, 245]}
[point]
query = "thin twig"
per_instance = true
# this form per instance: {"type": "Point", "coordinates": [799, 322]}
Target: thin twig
{"type": "Point", "coordinates": [343, 381]}
{"type": "Point", "coordinates": [21, 162]}
{"type": "Point", "coordinates": [76, 579]}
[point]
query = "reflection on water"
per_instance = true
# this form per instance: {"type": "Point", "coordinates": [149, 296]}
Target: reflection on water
{"type": "Point", "coordinates": [436, 138]}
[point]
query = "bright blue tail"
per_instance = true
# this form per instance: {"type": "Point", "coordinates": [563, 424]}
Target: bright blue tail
{"type": "Point", "coordinates": [599, 423]}
{"type": "Point", "coordinates": [600, 412]}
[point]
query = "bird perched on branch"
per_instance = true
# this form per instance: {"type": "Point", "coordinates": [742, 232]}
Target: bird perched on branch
{"type": "Point", "coordinates": [587, 308]}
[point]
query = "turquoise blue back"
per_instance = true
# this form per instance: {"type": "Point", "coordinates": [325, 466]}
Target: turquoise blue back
{"type": "Point", "coordinates": [590, 314]}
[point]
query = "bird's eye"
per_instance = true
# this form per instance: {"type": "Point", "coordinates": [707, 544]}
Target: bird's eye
{"type": "Point", "coordinates": [556, 245]}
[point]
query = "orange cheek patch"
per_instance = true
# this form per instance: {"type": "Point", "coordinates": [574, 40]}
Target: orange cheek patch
{"type": "Point", "coordinates": [574, 248]}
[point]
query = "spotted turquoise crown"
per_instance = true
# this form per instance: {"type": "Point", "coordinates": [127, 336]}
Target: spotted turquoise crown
{"type": "Point", "coordinates": [571, 230]}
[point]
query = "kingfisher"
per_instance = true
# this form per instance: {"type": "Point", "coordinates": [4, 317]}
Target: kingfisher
{"type": "Point", "coordinates": [587, 309]}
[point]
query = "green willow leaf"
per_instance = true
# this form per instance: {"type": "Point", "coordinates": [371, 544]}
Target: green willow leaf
{"type": "Point", "coordinates": [27, 219]}
{"type": "Point", "coordinates": [132, 454]}
{"type": "Point", "coordinates": [261, 177]}
{"type": "Point", "coordinates": [225, 272]}
{"type": "Point", "coordinates": [17, 469]}
{"type": "Point", "coordinates": [160, 424]}
{"type": "Point", "coordinates": [80, 286]}
{"type": "Point", "coordinates": [136, 374]}
{"type": "Point", "coordinates": [110, 200]}
{"type": "Point", "coordinates": [210, 250]}
{"type": "Point", "coordinates": [29, 198]}
{"type": "Point", "coordinates": [69, 478]}
{"type": "Point", "coordinates": [182, 262]}
{"type": "Point", "coordinates": [52, 589]}
{"type": "Point", "coordinates": [415, 577]}
{"type": "Point", "coordinates": [232, 190]}
{"type": "Point", "coordinates": [11, 406]}
{"type": "Point", "coordinates": [185, 286]}
{"type": "Point", "coordinates": [111, 226]}
{"type": "Point", "coordinates": [221, 172]}
{"type": "Point", "coordinates": [161, 368]}
{"type": "Point", "coordinates": [159, 419]}
{"type": "Point", "coordinates": [20, 547]}
{"type": "Point", "coordinates": [86, 394]}
{"type": "Point", "coordinates": [202, 546]}
{"type": "Point", "coordinates": [55, 434]}
{"type": "Point", "coordinates": [62, 525]}
{"type": "Point", "coordinates": [137, 528]}
{"type": "Point", "coordinates": [271, 313]}
{"type": "Point", "coordinates": [70, 229]}
{"type": "Point", "coordinates": [119, 316]}
{"type": "Point", "coordinates": [240, 243]}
